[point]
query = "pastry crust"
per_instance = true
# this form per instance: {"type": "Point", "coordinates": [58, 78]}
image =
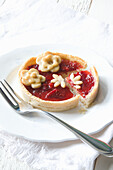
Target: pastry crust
{"type": "Point", "coordinates": [44, 104]}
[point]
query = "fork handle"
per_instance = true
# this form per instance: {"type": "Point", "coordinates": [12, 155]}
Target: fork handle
{"type": "Point", "coordinates": [97, 144]}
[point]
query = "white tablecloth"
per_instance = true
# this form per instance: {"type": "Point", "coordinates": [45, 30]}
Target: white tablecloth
{"type": "Point", "coordinates": [40, 22]}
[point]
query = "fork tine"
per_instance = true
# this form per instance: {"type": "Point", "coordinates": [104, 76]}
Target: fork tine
{"type": "Point", "coordinates": [9, 93]}
{"type": "Point", "coordinates": [9, 86]}
{"type": "Point", "coordinates": [11, 89]}
{"type": "Point", "coordinates": [8, 100]}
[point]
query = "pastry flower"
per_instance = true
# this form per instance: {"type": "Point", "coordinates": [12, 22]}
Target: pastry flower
{"type": "Point", "coordinates": [58, 80]}
{"type": "Point", "coordinates": [49, 63]}
{"type": "Point", "coordinates": [32, 78]}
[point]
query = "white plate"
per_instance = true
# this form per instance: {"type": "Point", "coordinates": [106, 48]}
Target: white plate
{"type": "Point", "coordinates": [41, 128]}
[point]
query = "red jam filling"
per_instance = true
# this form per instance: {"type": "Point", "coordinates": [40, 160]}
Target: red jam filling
{"type": "Point", "coordinates": [67, 65]}
{"type": "Point", "coordinates": [88, 82]}
{"type": "Point", "coordinates": [47, 91]}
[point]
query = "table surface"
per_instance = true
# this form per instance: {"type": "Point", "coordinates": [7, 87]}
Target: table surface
{"type": "Point", "coordinates": [102, 11]}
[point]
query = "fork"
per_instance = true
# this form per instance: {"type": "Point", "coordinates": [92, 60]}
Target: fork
{"type": "Point", "coordinates": [22, 107]}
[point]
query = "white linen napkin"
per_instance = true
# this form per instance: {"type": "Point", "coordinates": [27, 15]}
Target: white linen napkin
{"type": "Point", "coordinates": [42, 22]}
{"type": "Point", "coordinates": [73, 155]}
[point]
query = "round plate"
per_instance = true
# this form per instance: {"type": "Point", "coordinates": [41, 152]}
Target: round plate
{"type": "Point", "coordinates": [37, 127]}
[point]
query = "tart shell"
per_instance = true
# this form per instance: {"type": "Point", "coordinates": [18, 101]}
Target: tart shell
{"type": "Point", "coordinates": [44, 104]}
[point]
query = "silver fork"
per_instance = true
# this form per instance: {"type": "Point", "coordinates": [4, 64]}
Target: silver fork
{"type": "Point", "coordinates": [21, 107]}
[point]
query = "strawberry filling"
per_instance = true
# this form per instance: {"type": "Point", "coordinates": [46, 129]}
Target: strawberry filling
{"type": "Point", "coordinates": [48, 92]}
{"type": "Point", "coordinates": [67, 65]}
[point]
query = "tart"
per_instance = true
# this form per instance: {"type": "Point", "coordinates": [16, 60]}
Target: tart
{"type": "Point", "coordinates": [42, 81]}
